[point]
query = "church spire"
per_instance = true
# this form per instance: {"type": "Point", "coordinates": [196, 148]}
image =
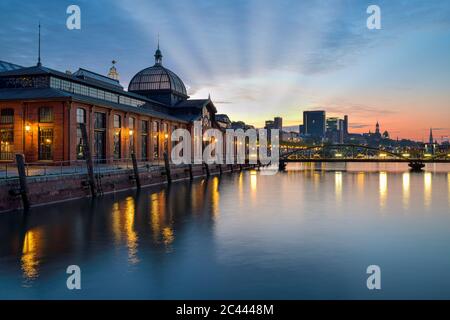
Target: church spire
{"type": "Point", "coordinates": [431, 136]}
{"type": "Point", "coordinates": [158, 55]}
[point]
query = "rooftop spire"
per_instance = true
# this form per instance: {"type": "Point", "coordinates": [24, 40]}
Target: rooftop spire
{"type": "Point", "coordinates": [113, 74]}
{"type": "Point", "coordinates": [158, 55]}
{"type": "Point", "coordinates": [39, 46]}
{"type": "Point", "coordinates": [431, 136]}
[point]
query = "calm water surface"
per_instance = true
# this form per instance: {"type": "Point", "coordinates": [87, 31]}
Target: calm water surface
{"type": "Point", "coordinates": [308, 233]}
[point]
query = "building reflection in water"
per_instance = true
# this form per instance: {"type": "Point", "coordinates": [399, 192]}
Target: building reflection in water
{"type": "Point", "coordinates": [132, 237]}
{"type": "Point", "coordinates": [161, 222]}
{"type": "Point", "coordinates": [406, 189]}
{"type": "Point", "coordinates": [383, 189]}
{"type": "Point", "coordinates": [215, 197]}
{"type": "Point", "coordinates": [427, 183]}
{"type": "Point", "coordinates": [32, 244]}
{"type": "Point", "coordinates": [338, 186]}
{"type": "Point", "coordinates": [241, 188]}
{"type": "Point", "coordinates": [123, 226]}
{"type": "Point", "coordinates": [360, 180]}
{"type": "Point", "coordinates": [253, 184]}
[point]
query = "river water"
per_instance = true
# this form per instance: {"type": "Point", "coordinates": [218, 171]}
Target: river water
{"type": "Point", "coordinates": [308, 233]}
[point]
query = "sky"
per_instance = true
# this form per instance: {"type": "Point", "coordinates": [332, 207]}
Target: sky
{"type": "Point", "coordinates": [258, 58]}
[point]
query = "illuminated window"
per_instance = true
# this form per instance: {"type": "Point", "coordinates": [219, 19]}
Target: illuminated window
{"type": "Point", "coordinates": [7, 116]}
{"type": "Point", "coordinates": [6, 144]}
{"type": "Point", "coordinates": [45, 139]}
{"type": "Point", "coordinates": [155, 137]}
{"type": "Point", "coordinates": [117, 137]}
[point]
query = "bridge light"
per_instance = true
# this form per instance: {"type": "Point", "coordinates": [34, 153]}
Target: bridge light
{"type": "Point", "coordinates": [428, 155]}
{"type": "Point", "coordinates": [383, 155]}
{"type": "Point", "coordinates": [448, 155]}
{"type": "Point", "coordinates": [338, 155]}
{"type": "Point", "coordinates": [406, 155]}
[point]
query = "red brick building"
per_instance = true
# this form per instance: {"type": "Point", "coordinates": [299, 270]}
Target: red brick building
{"type": "Point", "coordinates": [41, 110]}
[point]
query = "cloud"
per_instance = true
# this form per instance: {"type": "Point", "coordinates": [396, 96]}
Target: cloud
{"type": "Point", "coordinates": [359, 125]}
{"type": "Point", "coordinates": [222, 102]}
{"type": "Point", "coordinates": [355, 110]}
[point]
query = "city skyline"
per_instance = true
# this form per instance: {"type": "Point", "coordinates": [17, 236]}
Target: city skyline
{"type": "Point", "coordinates": [252, 68]}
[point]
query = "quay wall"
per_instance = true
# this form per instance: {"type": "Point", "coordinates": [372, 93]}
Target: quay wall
{"type": "Point", "coordinates": [50, 189]}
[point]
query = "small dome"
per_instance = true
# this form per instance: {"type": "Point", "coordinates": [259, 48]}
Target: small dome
{"type": "Point", "coordinates": [157, 78]}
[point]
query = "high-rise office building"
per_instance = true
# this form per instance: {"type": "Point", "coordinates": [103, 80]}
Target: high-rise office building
{"type": "Point", "coordinates": [278, 123]}
{"type": "Point", "coordinates": [269, 125]}
{"type": "Point", "coordinates": [314, 123]}
{"type": "Point", "coordinates": [345, 129]}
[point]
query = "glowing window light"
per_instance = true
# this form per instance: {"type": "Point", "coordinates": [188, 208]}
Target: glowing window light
{"type": "Point", "coordinates": [338, 155]}
{"type": "Point", "coordinates": [428, 155]}
{"type": "Point", "coordinates": [383, 155]}
{"type": "Point", "coordinates": [406, 155]}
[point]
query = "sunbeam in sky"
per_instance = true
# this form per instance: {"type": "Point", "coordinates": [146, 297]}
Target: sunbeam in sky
{"type": "Point", "coordinates": [260, 59]}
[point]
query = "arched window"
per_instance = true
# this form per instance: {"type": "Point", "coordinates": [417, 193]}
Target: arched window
{"type": "Point", "coordinates": [131, 131]}
{"type": "Point", "coordinates": [117, 137]}
{"type": "Point", "coordinates": [81, 115]}
{"type": "Point", "coordinates": [81, 119]}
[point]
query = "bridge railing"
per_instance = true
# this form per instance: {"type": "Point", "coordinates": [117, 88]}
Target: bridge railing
{"type": "Point", "coordinates": [355, 152]}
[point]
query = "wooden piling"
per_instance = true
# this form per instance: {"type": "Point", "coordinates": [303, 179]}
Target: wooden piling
{"type": "Point", "coordinates": [88, 157]}
{"type": "Point", "coordinates": [136, 170]}
{"type": "Point", "coordinates": [20, 160]}
{"type": "Point", "coordinates": [207, 169]}
{"type": "Point", "coordinates": [191, 176]}
{"type": "Point", "coordinates": [167, 166]}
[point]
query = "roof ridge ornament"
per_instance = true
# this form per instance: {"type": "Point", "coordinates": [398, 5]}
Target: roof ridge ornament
{"type": "Point", "coordinates": [158, 55]}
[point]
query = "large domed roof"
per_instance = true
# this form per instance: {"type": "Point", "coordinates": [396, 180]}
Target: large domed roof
{"type": "Point", "coordinates": [157, 79]}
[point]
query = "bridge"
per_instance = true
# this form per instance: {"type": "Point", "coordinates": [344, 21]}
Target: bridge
{"type": "Point", "coordinates": [358, 153]}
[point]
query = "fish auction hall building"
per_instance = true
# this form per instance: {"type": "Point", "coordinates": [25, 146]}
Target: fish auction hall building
{"type": "Point", "coordinates": [41, 112]}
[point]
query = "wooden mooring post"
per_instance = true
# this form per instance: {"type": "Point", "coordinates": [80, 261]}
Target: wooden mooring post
{"type": "Point", "coordinates": [167, 166]}
{"type": "Point", "coordinates": [20, 160]}
{"type": "Point", "coordinates": [191, 176]}
{"type": "Point", "coordinates": [136, 171]}
{"type": "Point", "coordinates": [207, 169]}
{"type": "Point", "coordinates": [88, 157]}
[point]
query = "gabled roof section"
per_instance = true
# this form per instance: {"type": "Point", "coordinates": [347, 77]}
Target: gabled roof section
{"type": "Point", "coordinates": [7, 66]}
{"type": "Point", "coordinates": [32, 94]}
{"type": "Point", "coordinates": [41, 70]}
{"type": "Point", "coordinates": [86, 74]}
{"type": "Point", "coordinates": [196, 103]}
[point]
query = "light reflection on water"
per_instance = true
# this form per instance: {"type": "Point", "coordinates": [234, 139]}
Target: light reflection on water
{"type": "Point", "coordinates": [307, 233]}
{"type": "Point", "coordinates": [406, 189]}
